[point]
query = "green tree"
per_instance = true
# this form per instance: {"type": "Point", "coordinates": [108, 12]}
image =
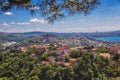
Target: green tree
{"type": "Point", "coordinates": [18, 66]}
{"type": "Point", "coordinates": [116, 57]}
{"type": "Point", "coordinates": [89, 47]}
{"type": "Point", "coordinates": [91, 67]}
{"type": "Point", "coordinates": [75, 53]}
{"type": "Point", "coordinates": [67, 58]}
{"type": "Point", "coordinates": [102, 49]}
{"type": "Point", "coordinates": [47, 72]}
{"type": "Point", "coordinates": [5, 78]}
{"type": "Point", "coordinates": [51, 47]}
{"type": "Point", "coordinates": [43, 57]}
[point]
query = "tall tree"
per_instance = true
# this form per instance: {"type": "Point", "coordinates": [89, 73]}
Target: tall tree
{"type": "Point", "coordinates": [51, 9]}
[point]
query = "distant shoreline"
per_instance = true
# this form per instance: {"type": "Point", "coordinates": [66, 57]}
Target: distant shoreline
{"type": "Point", "coordinates": [111, 38]}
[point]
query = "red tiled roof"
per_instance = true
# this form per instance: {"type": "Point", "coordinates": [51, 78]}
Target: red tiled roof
{"type": "Point", "coordinates": [105, 55]}
{"type": "Point", "coordinates": [72, 60]}
{"type": "Point", "coordinates": [115, 48]}
{"type": "Point", "coordinates": [63, 48]}
{"type": "Point", "coordinates": [37, 46]}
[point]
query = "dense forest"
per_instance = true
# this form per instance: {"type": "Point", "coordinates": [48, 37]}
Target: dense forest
{"type": "Point", "coordinates": [17, 65]}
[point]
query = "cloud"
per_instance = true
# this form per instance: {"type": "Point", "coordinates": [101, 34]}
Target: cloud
{"type": "Point", "coordinates": [117, 17]}
{"type": "Point", "coordinates": [35, 8]}
{"type": "Point", "coordinates": [12, 22]}
{"type": "Point", "coordinates": [36, 20]}
{"type": "Point", "coordinates": [23, 23]}
{"type": "Point", "coordinates": [62, 22]}
{"type": "Point", "coordinates": [0, 25]}
{"type": "Point", "coordinates": [6, 24]}
{"type": "Point", "coordinates": [8, 13]}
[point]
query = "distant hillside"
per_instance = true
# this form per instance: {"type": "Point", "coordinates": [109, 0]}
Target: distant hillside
{"type": "Point", "coordinates": [32, 34]}
{"type": "Point", "coordinates": [102, 34]}
{"type": "Point", "coordinates": [22, 36]}
{"type": "Point", "coordinates": [94, 34]}
{"type": "Point", "coordinates": [4, 37]}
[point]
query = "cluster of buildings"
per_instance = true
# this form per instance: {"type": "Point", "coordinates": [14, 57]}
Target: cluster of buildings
{"type": "Point", "coordinates": [8, 44]}
{"type": "Point", "coordinates": [62, 50]}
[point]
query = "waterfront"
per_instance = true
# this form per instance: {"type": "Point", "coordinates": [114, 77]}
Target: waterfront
{"type": "Point", "coordinates": [111, 38]}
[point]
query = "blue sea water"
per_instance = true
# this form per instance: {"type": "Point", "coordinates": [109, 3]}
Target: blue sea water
{"type": "Point", "coordinates": [112, 38]}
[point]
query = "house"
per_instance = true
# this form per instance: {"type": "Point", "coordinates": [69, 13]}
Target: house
{"type": "Point", "coordinates": [77, 48]}
{"type": "Point", "coordinates": [61, 58]}
{"type": "Point", "coordinates": [51, 59]}
{"type": "Point", "coordinates": [94, 49]}
{"type": "Point", "coordinates": [45, 62]}
{"type": "Point", "coordinates": [63, 63]}
{"type": "Point", "coordinates": [59, 44]}
{"type": "Point", "coordinates": [62, 51]}
{"type": "Point", "coordinates": [115, 50]}
{"type": "Point", "coordinates": [36, 46]}
{"type": "Point", "coordinates": [8, 44]}
{"type": "Point", "coordinates": [23, 49]}
{"type": "Point", "coordinates": [72, 60]}
{"type": "Point", "coordinates": [39, 47]}
{"type": "Point", "coordinates": [107, 55]}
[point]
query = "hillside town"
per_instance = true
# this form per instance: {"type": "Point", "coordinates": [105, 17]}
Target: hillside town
{"type": "Point", "coordinates": [59, 39]}
{"type": "Point", "coordinates": [56, 55]}
{"type": "Point", "coordinates": [61, 51]}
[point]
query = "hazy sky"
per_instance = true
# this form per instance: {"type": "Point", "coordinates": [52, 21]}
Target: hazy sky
{"type": "Point", "coordinates": [106, 17]}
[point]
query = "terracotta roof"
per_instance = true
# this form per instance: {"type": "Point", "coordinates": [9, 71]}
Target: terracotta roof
{"type": "Point", "coordinates": [94, 49]}
{"type": "Point", "coordinates": [64, 63]}
{"type": "Point", "coordinates": [72, 60]}
{"type": "Point", "coordinates": [23, 49]}
{"type": "Point", "coordinates": [37, 46]}
{"type": "Point", "coordinates": [115, 48]}
{"type": "Point", "coordinates": [59, 62]}
{"type": "Point", "coordinates": [63, 48]}
{"type": "Point", "coordinates": [45, 62]}
{"type": "Point", "coordinates": [105, 54]}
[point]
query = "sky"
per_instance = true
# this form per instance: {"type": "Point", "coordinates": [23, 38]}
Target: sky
{"type": "Point", "coordinates": [106, 17]}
